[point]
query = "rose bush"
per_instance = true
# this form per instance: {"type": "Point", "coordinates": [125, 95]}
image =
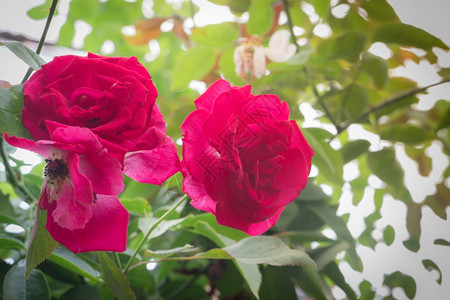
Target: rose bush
{"type": "Point", "coordinates": [113, 97]}
{"type": "Point", "coordinates": [243, 160]}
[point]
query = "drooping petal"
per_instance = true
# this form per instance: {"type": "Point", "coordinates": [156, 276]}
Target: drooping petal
{"type": "Point", "coordinates": [156, 164]}
{"type": "Point", "coordinates": [104, 172]}
{"type": "Point", "coordinates": [74, 197]}
{"type": "Point", "coordinates": [43, 147]}
{"type": "Point", "coordinates": [106, 230]}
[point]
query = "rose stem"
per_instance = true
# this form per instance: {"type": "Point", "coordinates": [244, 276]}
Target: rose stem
{"type": "Point", "coordinates": [43, 36]}
{"type": "Point", "coordinates": [154, 225]}
{"type": "Point", "coordinates": [13, 178]}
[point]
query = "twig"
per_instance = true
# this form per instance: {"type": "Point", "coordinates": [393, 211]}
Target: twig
{"type": "Point", "coordinates": [307, 72]}
{"type": "Point", "coordinates": [290, 24]}
{"type": "Point", "coordinates": [388, 102]}
{"type": "Point", "coordinates": [43, 36]}
{"type": "Point", "coordinates": [12, 176]}
{"type": "Point", "coordinates": [150, 230]}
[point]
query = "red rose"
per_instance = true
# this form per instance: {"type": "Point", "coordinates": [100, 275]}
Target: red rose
{"type": "Point", "coordinates": [114, 97]}
{"type": "Point", "coordinates": [243, 160]}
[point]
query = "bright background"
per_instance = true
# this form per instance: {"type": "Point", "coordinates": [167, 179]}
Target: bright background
{"type": "Point", "coordinates": [430, 15]}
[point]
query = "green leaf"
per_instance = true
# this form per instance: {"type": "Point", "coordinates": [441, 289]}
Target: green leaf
{"type": "Point", "coordinates": [334, 273]}
{"type": "Point", "coordinates": [431, 265]}
{"type": "Point", "coordinates": [356, 101]}
{"type": "Point", "coordinates": [439, 201]}
{"type": "Point", "coordinates": [192, 65]}
{"type": "Point", "coordinates": [348, 46]}
{"type": "Point", "coordinates": [9, 242]}
{"type": "Point", "coordinates": [328, 160]}
{"type": "Point", "coordinates": [325, 255]}
{"type": "Point", "coordinates": [139, 205]}
{"type": "Point", "coordinates": [206, 225]}
{"type": "Point", "coordinates": [85, 292]}
{"type": "Point", "coordinates": [407, 35]}
{"type": "Point", "coordinates": [71, 261]}
{"type": "Point", "coordinates": [215, 35]}
{"type": "Point", "coordinates": [380, 10]}
{"type": "Point", "coordinates": [260, 17]}
{"type": "Point", "coordinates": [270, 250]}
{"type": "Point", "coordinates": [227, 67]}
{"type": "Point", "coordinates": [340, 228]}
{"type": "Point", "coordinates": [300, 58]}
{"type": "Point", "coordinates": [353, 149]}
{"type": "Point", "coordinates": [114, 278]}
{"type": "Point", "coordinates": [441, 242]}
{"type": "Point", "coordinates": [405, 133]}
{"type": "Point", "coordinates": [27, 55]}
{"type": "Point", "coordinates": [145, 223]}
{"type": "Point", "coordinates": [366, 291]}
{"type": "Point", "coordinates": [398, 279]}
{"type": "Point", "coordinates": [140, 277]}
{"type": "Point", "coordinates": [312, 283]}
{"type": "Point", "coordinates": [41, 11]}
{"type": "Point", "coordinates": [389, 235]}
{"type": "Point", "coordinates": [313, 193]}
{"type": "Point", "coordinates": [17, 287]}
{"type": "Point", "coordinates": [41, 242]}
{"type": "Point", "coordinates": [377, 68]}
{"type": "Point", "coordinates": [11, 104]}
{"type": "Point", "coordinates": [276, 284]}
{"type": "Point", "coordinates": [384, 165]}
{"type": "Point", "coordinates": [6, 209]}
{"type": "Point", "coordinates": [231, 234]}
{"type": "Point", "coordinates": [321, 7]}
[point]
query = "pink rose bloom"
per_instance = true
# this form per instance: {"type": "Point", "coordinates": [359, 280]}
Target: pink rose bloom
{"type": "Point", "coordinates": [243, 160]}
{"type": "Point", "coordinates": [79, 191]}
{"type": "Point", "coordinates": [113, 97]}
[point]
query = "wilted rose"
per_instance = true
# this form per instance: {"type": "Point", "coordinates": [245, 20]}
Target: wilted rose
{"type": "Point", "coordinates": [243, 160]}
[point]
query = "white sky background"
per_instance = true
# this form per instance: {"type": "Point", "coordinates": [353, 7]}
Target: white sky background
{"type": "Point", "coordinates": [431, 15]}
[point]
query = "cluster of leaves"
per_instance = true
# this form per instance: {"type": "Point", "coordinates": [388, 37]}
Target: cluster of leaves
{"type": "Point", "coordinates": [189, 256]}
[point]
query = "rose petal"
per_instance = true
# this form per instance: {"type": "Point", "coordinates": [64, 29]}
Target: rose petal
{"type": "Point", "coordinates": [196, 191]}
{"type": "Point", "coordinates": [104, 173]}
{"type": "Point", "coordinates": [74, 197]}
{"type": "Point", "coordinates": [206, 100]}
{"type": "Point", "coordinates": [198, 154]}
{"type": "Point", "coordinates": [106, 230]}
{"type": "Point", "coordinates": [44, 148]}
{"type": "Point", "coordinates": [78, 139]}
{"type": "Point", "coordinates": [155, 165]}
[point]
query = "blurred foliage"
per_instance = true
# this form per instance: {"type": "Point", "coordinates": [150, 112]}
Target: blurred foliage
{"type": "Point", "coordinates": [338, 72]}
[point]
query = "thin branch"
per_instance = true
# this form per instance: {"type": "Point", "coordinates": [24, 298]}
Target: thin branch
{"type": "Point", "coordinates": [12, 178]}
{"type": "Point", "coordinates": [349, 88]}
{"type": "Point", "coordinates": [307, 72]}
{"type": "Point", "coordinates": [43, 36]}
{"type": "Point", "coordinates": [389, 102]}
{"type": "Point", "coordinates": [291, 25]}
{"type": "Point", "coordinates": [150, 230]}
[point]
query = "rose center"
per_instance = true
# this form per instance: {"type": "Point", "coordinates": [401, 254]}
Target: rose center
{"type": "Point", "coordinates": [56, 169]}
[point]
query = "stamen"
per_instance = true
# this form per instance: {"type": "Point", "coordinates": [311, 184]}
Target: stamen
{"type": "Point", "coordinates": [56, 169]}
